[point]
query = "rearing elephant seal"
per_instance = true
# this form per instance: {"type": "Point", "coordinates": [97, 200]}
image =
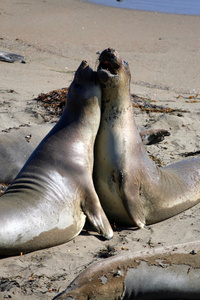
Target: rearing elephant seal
{"type": "Point", "coordinates": [47, 202]}
{"type": "Point", "coordinates": [132, 190]}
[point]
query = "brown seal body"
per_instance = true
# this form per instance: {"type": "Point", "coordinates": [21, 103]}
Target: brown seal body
{"type": "Point", "coordinates": [47, 203]}
{"type": "Point", "coordinates": [132, 190]}
{"type": "Point", "coordinates": [164, 273]}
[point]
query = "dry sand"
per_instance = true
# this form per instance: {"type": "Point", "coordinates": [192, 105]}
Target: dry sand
{"type": "Point", "coordinates": [163, 54]}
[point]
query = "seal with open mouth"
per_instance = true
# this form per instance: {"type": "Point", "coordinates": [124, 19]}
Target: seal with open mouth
{"type": "Point", "coordinates": [132, 190]}
{"type": "Point", "coordinates": [48, 202]}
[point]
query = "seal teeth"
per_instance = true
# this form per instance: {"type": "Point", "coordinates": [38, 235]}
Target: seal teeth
{"type": "Point", "coordinates": [106, 66]}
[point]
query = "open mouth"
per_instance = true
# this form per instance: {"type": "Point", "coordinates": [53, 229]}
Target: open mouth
{"type": "Point", "coordinates": [106, 65]}
{"type": "Point", "coordinates": [109, 64]}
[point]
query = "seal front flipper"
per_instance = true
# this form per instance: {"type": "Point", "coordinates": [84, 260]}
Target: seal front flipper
{"type": "Point", "coordinates": [93, 210]}
{"type": "Point", "coordinates": [153, 136]}
{"type": "Point", "coordinates": [134, 207]}
{"type": "Point", "coordinates": [131, 199]}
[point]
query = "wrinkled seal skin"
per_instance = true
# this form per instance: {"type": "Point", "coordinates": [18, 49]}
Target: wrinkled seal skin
{"type": "Point", "coordinates": [171, 273]}
{"type": "Point", "coordinates": [132, 190]}
{"type": "Point", "coordinates": [47, 202]}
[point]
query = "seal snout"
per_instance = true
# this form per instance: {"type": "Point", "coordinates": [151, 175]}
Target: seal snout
{"type": "Point", "coordinates": [110, 51]}
{"type": "Point", "coordinates": [109, 61]}
{"type": "Point", "coordinates": [85, 72]}
{"type": "Point", "coordinates": [84, 64]}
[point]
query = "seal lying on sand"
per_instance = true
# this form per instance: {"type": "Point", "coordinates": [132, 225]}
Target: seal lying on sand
{"type": "Point", "coordinates": [16, 146]}
{"type": "Point", "coordinates": [170, 273]}
{"type": "Point", "coordinates": [47, 202]}
{"type": "Point", "coordinates": [11, 57]}
{"type": "Point", "coordinates": [132, 190]}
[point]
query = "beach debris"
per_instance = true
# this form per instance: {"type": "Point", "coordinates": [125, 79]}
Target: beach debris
{"type": "Point", "coordinates": [106, 252]}
{"type": "Point", "coordinates": [28, 138]}
{"type": "Point", "coordinates": [148, 106]}
{"type": "Point", "coordinates": [190, 99]}
{"type": "Point", "coordinates": [192, 153]}
{"type": "Point", "coordinates": [41, 283]}
{"type": "Point", "coordinates": [193, 252]}
{"type": "Point", "coordinates": [16, 128]}
{"type": "Point", "coordinates": [11, 57]}
{"type": "Point", "coordinates": [53, 101]}
{"type": "Point", "coordinates": [157, 160]}
{"type": "Point", "coordinates": [3, 188]}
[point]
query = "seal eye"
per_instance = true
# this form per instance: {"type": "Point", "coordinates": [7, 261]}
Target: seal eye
{"type": "Point", "coordinates": [77, 86]}
{"type": "Point", "coordinates": [125, 62]}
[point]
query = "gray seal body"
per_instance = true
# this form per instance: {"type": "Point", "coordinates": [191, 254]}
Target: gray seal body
{"type": "Point", "coordinates": [47, 203]}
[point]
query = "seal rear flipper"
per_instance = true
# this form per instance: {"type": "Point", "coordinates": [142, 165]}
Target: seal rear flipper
{"type": "Point", "coordinates": [93, 210]}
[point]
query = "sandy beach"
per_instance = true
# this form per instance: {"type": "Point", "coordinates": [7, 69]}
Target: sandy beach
{"type": "Point", "coordinates": [164, 58]}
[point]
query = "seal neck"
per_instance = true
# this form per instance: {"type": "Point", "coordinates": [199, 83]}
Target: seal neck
{"type": "Point", "coordinates": [82, 116]}
{"type": "Point", "coordinates": [117, 91]}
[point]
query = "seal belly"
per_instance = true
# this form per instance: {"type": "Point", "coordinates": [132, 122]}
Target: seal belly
{"type": "Point", "coordinates": [37, 226]}
{"type": "Point", "coordinates": [48, 207]}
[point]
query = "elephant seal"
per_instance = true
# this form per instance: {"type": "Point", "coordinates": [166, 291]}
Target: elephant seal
{"type": "Point", "coordinates": [164, 273]}
{"type": "Point", "coordinates": [132, 189]}
{"type": "Point", "coordinates": [11, 57]}
{"type": "Point", "coordinates": [16, 146]}
{"type": "Point", "coordinates": [47, 202]}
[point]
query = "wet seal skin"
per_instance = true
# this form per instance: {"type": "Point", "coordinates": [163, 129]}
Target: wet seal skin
{"type": "Point", "coordinates": [162, 273]}
{"type": "Point", "coordinates": [49, 200]}
{"type": "Point", "coordinates": [133, 191]}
